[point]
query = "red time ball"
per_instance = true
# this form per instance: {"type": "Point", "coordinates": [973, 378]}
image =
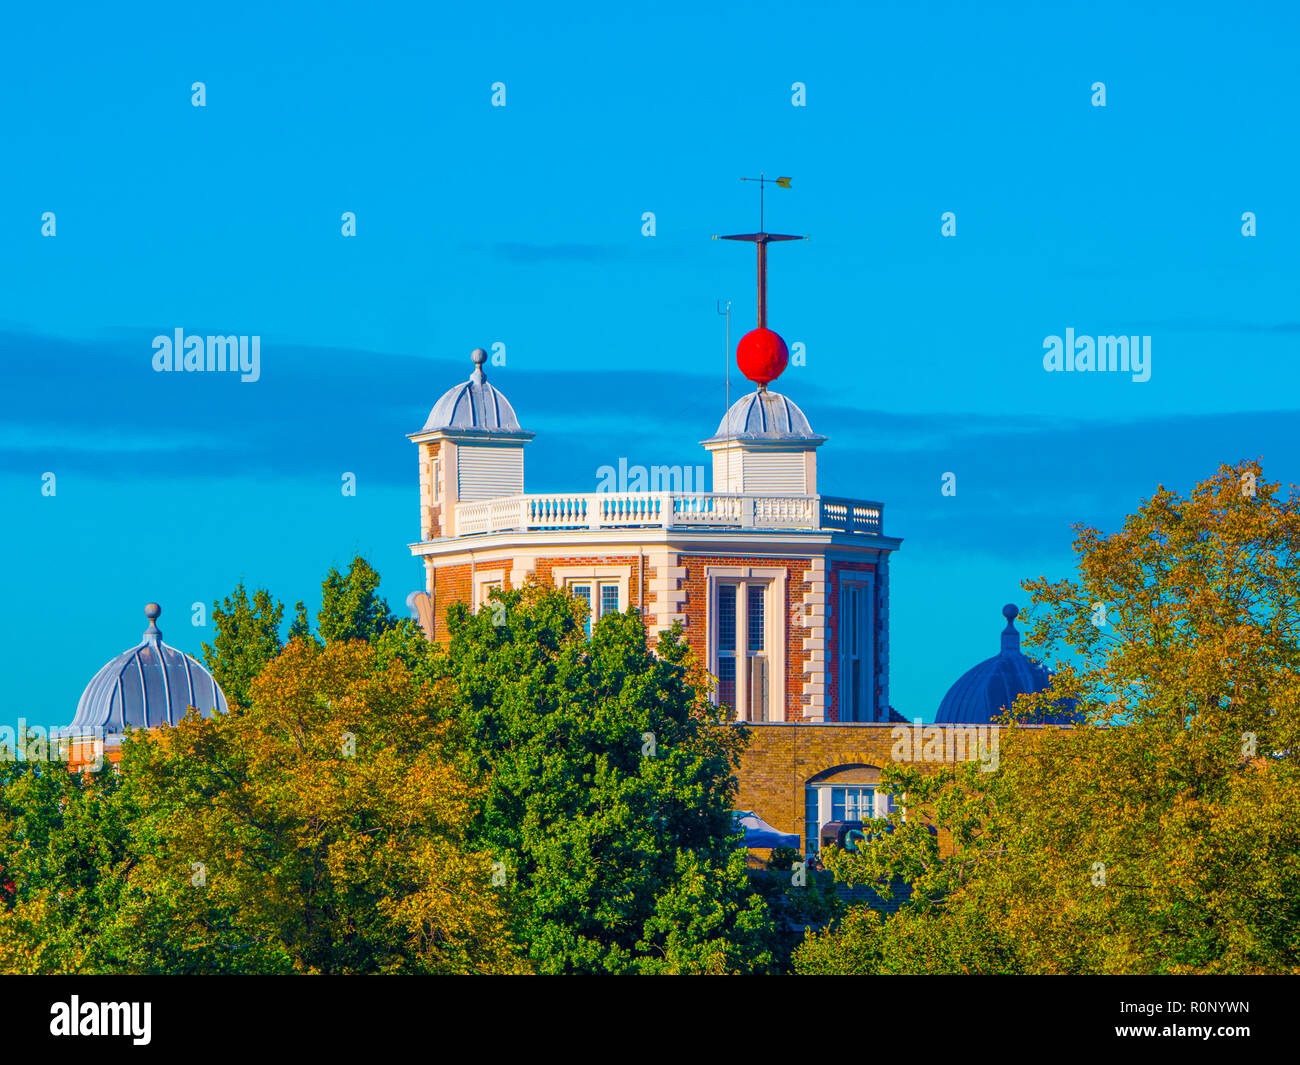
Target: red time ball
{"type": "Point", "coordinates": [762, 355]}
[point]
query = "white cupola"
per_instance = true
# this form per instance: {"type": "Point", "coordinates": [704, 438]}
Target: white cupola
{"type": "Point", "coordinates": [765, 446]}
{"type": "Point", "coordinates": [471, 449]}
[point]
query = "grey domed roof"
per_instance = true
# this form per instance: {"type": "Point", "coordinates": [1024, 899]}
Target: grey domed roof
{"type": "Point", "coordinates": [766, 415]}
{"type": "Point", "coordinates": [984, 692]}
{"type": "Point", "coordinates": [474, 406]}
{"type": "Point", "coordinates": [150, 685]}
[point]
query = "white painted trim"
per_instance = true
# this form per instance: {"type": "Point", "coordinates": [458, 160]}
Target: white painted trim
{"type": "Point", "coordinates": [486, 473]}
{"type": "Point", "coordinates": [524, 566]}
{"type": "Point", "coordinates": [482, 578]}
{"type": "Point", "coordinates": [563, 576]}
{"type": "Point", "coordinates": [736, 543]}
{"type": "Point", "coordinates": [879, 802]}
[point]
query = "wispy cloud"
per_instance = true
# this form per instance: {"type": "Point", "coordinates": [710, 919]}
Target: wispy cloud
{"type": "Point", "coordinates": [99, 408]}
{"type": "Point", "coordinates": [540, 253]}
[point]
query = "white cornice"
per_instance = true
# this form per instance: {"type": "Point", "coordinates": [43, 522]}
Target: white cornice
{"type": "Point", "coordinates": [478, 437]}
{"type": "Point", "coordinates": [732, 542]}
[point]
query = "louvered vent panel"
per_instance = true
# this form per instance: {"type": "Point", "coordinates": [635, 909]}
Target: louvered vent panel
{"type": "Point", "coordinates": [490, 472]}
{"type": "Point", "coordinates": [779, 473]}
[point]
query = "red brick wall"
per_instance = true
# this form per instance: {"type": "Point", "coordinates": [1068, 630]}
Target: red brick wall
{"type": "Point", "coordinates": [834, 569]}
{"type": "Point", "coordinates": [637, 592]}
{"type": "Point", "coordinates": [451, 584]}
{"type": "Point", "coordinates": [696, 610]}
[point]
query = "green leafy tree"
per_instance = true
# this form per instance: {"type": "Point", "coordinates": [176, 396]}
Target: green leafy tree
{"type": "Point", "coordinates": [906, 943]}
{"type": "Point", "coordinates": [322, 830]}
{"type": "Point", "coordinates": [1161, 836]}
{"type": "Point", "coordinates": [64, 856]}
{"type": "Point", "coordinates": [300, 627]}
{"type": "Point", "coordinates": [608, 791]}
{"type": "Point", "coordinates": [801, 900]}
{"type": "Point", "coordinates": [247, 638]}
{"type": "Point", "coordinates": [391, 805]}
{"type": "Point", "coordinates": [406, 642]}
{"type": "Point", "coordinates": [351, 608]}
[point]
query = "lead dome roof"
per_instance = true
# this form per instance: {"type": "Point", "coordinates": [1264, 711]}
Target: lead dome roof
{"type": "Point", "coordinates": [985, 691]}
{"type": "Point", "coordinates": [766, 416]}
{"type": "Point", "coordinates": [473, 406]}
{"type": "Point", "coordinates": [150, 685]}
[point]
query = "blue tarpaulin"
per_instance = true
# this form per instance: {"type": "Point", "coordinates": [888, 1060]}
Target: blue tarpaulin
{"type": "Point", "coordinates": [758, 833]}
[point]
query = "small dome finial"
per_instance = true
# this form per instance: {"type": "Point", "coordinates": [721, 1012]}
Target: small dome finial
{"type": "Point", "coordinates": [478, 357]}
{"type": "Point", "coordinates": [1010, 635]}
{"type": "Point", "coordinates": [152, 611]}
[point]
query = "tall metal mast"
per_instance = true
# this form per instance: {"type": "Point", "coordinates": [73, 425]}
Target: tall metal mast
{"type": "Point", "coordinates": [761, 240]}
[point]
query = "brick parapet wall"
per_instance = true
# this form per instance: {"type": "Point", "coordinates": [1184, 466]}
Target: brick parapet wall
{"type": "Point", "coordinates": [782, 760]}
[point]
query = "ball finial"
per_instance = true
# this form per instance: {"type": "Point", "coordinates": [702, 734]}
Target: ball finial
{"type": "Point", "coordinates": [478, 356]}
{"type": "Point", "coordinates": [152, 610]}
{"type": "Point", "coordinates": [1010, 635]}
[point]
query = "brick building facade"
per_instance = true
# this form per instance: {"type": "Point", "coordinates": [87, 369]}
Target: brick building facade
{"type": "Point", "coordinates": [782, 591]}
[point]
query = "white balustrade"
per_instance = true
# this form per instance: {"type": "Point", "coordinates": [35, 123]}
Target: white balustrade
{"type": "Point", "coordinates": [613, 510]}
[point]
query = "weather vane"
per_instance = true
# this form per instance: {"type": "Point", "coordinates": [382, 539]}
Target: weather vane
{"type": "Point", "coordinates": [763, 182]}
{"type": "Point", "coordinates": [762, 240]}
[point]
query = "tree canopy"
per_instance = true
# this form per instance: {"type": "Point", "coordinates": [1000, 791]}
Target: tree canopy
{"type": "Point", "coordinates": [1160, 837]}
{"type": "Point", "coordinates": [526, 799]}
{"type": "Point", "coordinates": [608, 790]}
{"type": "Point", "coordinates": [319, 829]}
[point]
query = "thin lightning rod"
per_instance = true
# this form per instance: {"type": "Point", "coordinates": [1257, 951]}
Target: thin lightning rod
{"type": "Point", "coordinates": [726, 349]}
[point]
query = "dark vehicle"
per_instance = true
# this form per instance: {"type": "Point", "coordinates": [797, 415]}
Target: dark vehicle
{"type": "Point", "coordinates": [845, 834]}
{"type": "Point", "coordinates": [848, 834]}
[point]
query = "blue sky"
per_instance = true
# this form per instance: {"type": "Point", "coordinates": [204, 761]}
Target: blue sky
{"type": "Point", "coordinates": [522, 225]}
